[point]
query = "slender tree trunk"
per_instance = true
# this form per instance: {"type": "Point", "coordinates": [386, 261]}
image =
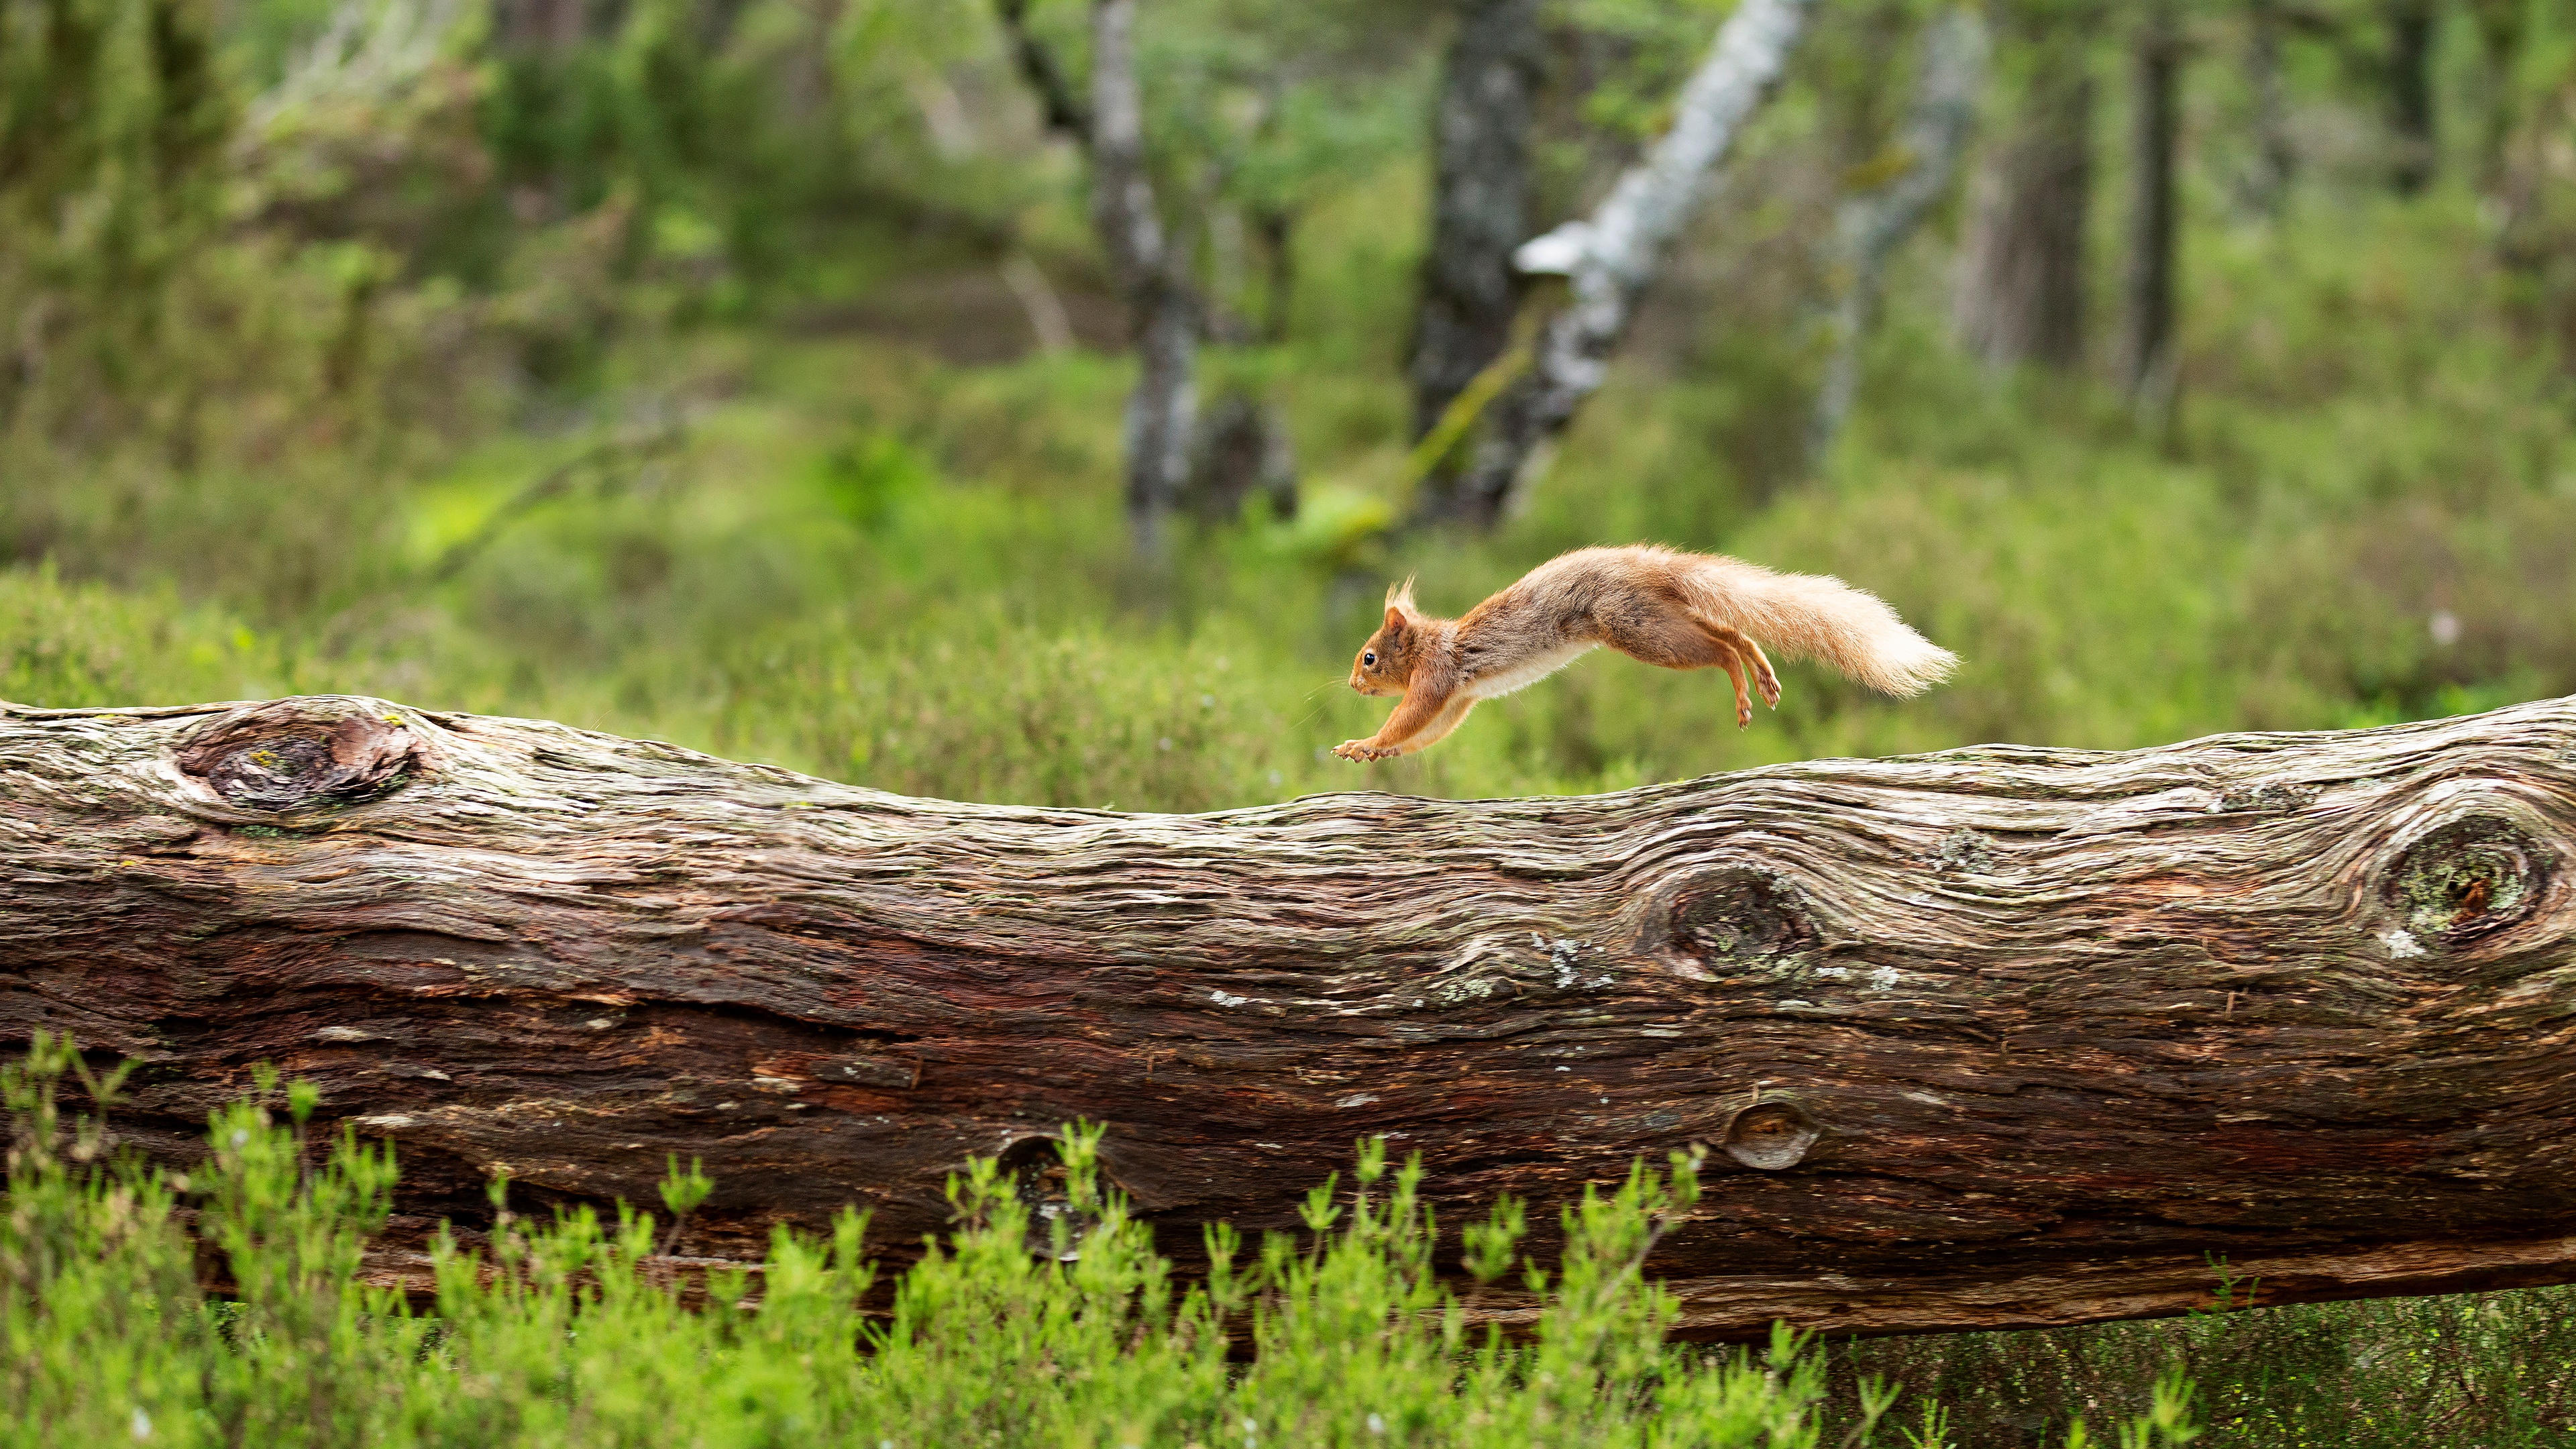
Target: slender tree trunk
{"type": "Point", "coordinates": [2022, 265]}
{"type": "Point", "coordinates": [1480, 200]}
{"type": "Point", "coordinates": [2502, 27]}
{"type": "Point", "coordinates": [2147, 361]}
{"type": "Point", "coordinates": [1277, 228]}
{"type": "Point", "coordinates": [1870, 226]}
{"type": "Point", "coordinates": [1996, 1038]}
{"type": "Point", "coordinates": [2410, 93]}
{"type": "Point", "coordinates": [2275, 163]}
{"type": "Point", "coordinates": [1611, 257]}
{"type": "Point", "coordinates": [1162, 308]}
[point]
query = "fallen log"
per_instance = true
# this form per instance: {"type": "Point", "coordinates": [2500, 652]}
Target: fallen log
{"type": "Point", "coordinates": [1998, 1037]}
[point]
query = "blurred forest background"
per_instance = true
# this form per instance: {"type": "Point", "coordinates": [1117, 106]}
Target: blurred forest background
{"type": "Point", "coordinates": [755, 374]}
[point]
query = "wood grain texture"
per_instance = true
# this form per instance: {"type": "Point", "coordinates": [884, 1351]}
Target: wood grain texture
{"type": "Point", "coordinates": [1990, 1038]}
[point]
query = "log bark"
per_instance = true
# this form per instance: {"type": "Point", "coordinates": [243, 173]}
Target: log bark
{"type": "Point", "coordinates": [1994, 1038]}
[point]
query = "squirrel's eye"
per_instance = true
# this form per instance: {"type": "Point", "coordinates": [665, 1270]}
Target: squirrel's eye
{"type": "Point", "coordinates": [1368, 660]}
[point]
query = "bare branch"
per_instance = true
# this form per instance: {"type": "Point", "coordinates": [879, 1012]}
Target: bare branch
{"type": "Point", "coordinates": [1061, 109]}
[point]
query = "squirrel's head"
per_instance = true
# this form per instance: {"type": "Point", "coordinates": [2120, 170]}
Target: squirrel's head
{"type": "Point", "coordinates": [1385, 662]}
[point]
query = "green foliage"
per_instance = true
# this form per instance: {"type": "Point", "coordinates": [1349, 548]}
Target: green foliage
{"type": "Point", "coordinates": [1045, 1316]}
{"type": "Point", "coordinates": [85, 643]}
{"type": "Point", "coordinates": [1046, 1323]}
{"type": "Point", "coordinates": [2477, 1369]}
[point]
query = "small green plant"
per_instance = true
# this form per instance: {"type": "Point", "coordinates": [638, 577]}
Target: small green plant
{"type": "Point", "coordinates": [1044, 1317]}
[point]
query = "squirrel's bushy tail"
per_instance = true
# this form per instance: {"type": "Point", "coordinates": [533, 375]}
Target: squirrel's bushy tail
{"type": "Point", "coordinates": [1810, 616]}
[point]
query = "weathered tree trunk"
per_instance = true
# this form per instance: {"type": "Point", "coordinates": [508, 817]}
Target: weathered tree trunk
{"type": "Point", "coordinates": [1997, 1037]}
{"type": "Point", "coordinates": [1611, 256]}
{"type": "Point", "coordinates": [1163, 309]}
{"type": "Point", "coordinates": [1243, 448]}
{"type": "Point", "coordinates": [1162, 305]}
{"type": "Point", "coordinates": [2147, 362]}
{"type": "Point", "coordinates": [2020, 299]}
{"type": "Point", "coordinates": [1873, 223]}
{"type": "Point", "coordinates": [1480, 200]}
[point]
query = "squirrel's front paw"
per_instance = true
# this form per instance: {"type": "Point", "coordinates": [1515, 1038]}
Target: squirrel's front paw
{"type": "Point", "coordinates": [1361, 750]}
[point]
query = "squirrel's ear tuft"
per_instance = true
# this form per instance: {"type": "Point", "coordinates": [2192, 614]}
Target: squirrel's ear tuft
{"type": "Point", "coordinates": [1399, 596]}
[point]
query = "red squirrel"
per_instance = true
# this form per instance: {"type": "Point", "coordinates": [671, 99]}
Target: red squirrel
{"type": "Point", "coordinates": [1678, 610]}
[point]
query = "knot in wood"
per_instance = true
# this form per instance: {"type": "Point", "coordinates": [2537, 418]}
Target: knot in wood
{"type": "Point", "coordinates": [1739, 917]}
{"type": "Point", "coordinates": [2467, 878]}
{"type": "Point", "coordinates": [1771, 1136]}
{"type": "Point", "coordinates": [274, 757]}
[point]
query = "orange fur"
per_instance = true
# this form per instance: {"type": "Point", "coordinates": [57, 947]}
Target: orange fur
{"type": "Point", "coordinates": [1668, 608]}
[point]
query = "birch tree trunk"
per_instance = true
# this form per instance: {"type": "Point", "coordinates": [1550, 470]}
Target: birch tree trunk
{"type": "Point", "coordinates": [2503, 30]}
{"type": "Point", "coordinates": [1871, 225]}
{"type": "Point", "coordinates": [1999, 1037]}
{"type": "Point", "coordinates": [2022, 264]}
{"type": "Point", "coordinates": [1163, 309]}
{"type": "Point", "coordinates": [1612, 256]}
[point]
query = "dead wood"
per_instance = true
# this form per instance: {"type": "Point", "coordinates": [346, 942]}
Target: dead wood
{"type": "Point", "coordinates": [1998, 1037]}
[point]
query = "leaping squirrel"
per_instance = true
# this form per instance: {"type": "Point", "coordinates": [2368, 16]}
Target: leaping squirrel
{"type": "Point", "coordinates": [1678, 610]}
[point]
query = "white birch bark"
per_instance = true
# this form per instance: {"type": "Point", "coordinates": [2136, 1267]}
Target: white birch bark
{"type": "Point", "coordinates": [1611, 256]}
{"type": "Point", "coordinates": [1161, 309]}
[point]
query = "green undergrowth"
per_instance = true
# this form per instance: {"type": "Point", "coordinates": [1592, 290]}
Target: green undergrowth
{"type": "Point", "coordinates": [1057, 1322]}
{"type": "Point", "coordinates": [1015, 1327]}
{"type": "Point", "coordinates": [844, 555]}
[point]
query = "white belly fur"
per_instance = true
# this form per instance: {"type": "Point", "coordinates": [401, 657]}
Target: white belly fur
{"type": "Point", "coordinates": [1529, 671]}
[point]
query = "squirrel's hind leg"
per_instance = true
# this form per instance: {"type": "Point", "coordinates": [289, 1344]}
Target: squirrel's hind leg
{"type": "Point", "coordinates": [1764, 681]}
{"type": "Point", "coordinates": [1685, 641]}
